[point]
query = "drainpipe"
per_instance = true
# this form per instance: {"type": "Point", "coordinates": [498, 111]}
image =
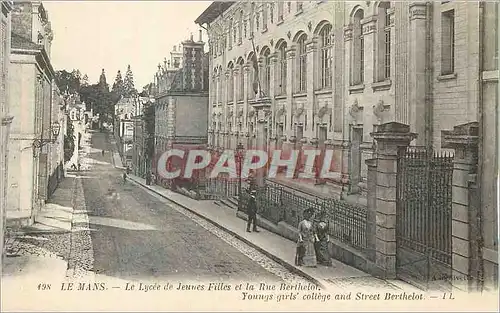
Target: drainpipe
{"type": "Point", "coordinates": [479, 171]}
{"type": "Point", "coordinates": [429, 73]}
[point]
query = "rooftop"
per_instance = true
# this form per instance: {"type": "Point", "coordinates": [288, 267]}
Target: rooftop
{"type": "Point", "coordinates": [213, 11]}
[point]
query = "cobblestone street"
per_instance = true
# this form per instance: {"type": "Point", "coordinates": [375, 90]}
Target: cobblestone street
{"type": "Point", "coordinates": [121, 231]}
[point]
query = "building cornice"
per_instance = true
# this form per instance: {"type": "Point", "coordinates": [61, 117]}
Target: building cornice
{"type": "Point", "coordinates": [37, 52]}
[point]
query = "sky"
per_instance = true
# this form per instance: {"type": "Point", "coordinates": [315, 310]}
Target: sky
{"type": "Point", "coordinates": [95, 35]}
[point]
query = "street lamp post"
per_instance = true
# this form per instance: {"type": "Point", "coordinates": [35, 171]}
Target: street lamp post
{"type": "Point", "coordinates": [55, 129]}
{"type": "Point", "coordinates": [239, 155]}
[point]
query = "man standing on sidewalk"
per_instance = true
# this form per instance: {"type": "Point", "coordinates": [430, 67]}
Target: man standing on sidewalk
{"type": "Point", "coordinates": [252, 212]}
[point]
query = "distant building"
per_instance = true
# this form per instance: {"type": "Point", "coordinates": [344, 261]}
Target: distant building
{"type": "Point", "coordinates": [125, 112]}
{"type": "Point", "coordinates": [76, 109]}
{"type": "Point", "coordinates": [181, 100]}
{"type": "Point", "coordinates": [141, 160]}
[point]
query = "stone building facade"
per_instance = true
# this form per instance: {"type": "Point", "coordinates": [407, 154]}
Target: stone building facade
{"type": "Point", "coordinates": [5, 117]}
{"type": "Point", "coordinates": [330, 71]}
{"type": "Point", "coordinates": [328, 74]}
{"type": "Point", "coordinates": [31, 78]}
{"type": "Point", "coordinates": [181, 100]}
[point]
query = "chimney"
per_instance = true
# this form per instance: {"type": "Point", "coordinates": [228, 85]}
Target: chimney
{"type": "Point", "coordinates": [191, 38]}
{"type": "Point", "coordinates": [201, 36]}
{"type": "Point", "coordinates": [165, 62]}
{"type": "Point", "coordinates": [175, 47]}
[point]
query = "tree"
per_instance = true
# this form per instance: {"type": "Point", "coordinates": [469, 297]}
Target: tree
{"type": "Point", "coordinates": [84, 81]}
{"type": "Point", "coordinates": [102, 82]}
{"type": "Point", "coordinates": [118, 85]}
{"type": "Point", "coordinates": [69, 140]}
{"type": "Point", "coordinates": [128, 83]}
{"type": "Point", "coordinates": [68, 82]}
{"type": "Point", "coordinates": [100, 99]}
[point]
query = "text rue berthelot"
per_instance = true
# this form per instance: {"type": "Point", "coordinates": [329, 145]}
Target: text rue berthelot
{"type": "Point", "coordinates": [278, 292]}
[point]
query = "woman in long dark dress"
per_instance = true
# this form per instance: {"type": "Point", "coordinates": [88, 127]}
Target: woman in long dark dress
{"type": "Point", "coordinates": [322, 252]}
{"type": "Point", "coordinates": [307, 238]}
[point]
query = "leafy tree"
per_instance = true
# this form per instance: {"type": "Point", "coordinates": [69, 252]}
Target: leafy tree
{"type": "Point", "coordinates": [128, 83]}
{"type": "Point", "coordinates": [102, 82]}
{"type": "Point", "coordinates": [69, 140]}
{"type": "Point", "coordinates": [84, 81]}
{"type": "Point", "coordinates": [148, 116]}
{"type": "Point", "coordinates": [68, 82]}
{"type": "Point", "coordinates": [118, 87]}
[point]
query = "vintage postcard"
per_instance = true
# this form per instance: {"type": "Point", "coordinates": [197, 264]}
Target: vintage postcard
{"type": "Point", "coordinates": [249, 155]}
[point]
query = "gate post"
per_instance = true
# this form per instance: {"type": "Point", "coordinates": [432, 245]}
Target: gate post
{"type": "Point", "coordinates": [371, 204]}
{"type": "Point", "coordinates": [390, 138]}
{"type": "Point", "coordinates": [465, 233]}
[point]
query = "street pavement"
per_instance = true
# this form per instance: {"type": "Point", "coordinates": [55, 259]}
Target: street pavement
{"type": "Point", "coordinates": [138, 236]}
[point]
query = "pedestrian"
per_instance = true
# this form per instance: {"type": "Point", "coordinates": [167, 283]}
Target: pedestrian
{"type": "Point", "coordinates": [102, 152]}
{"type": "Point", "coordinates": [124, 177]}
{"type": "Point", "coordinates": [79, 166]}
{"type": "Point", "coordinates": [153, 178]}
{"type": "Point", "coordinates": [252, 212]}
{"type": "Point", "coordinates": [307, 239]}
{"type": "Point", "coordinates": [321, 246]}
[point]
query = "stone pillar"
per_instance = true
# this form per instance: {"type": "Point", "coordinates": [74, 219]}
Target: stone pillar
{"type": "Point", "coordinates": [371, 203]}
{"type": "Point", "coordinates": [236, 75]}
{"type": "Point", "coordinates": [311, 48]}
{"type": "Point", "coordinates": [272, 90]}
{"type": "Point", "coordinates": [417, 70]}
{"type": "Point", "coordinates": [368, 31]}
{"type": "Point", "coordinates": [400, 64]}
{"type": "Point", "coordinates": [465, 228]}
{"type": "Point", "coordinates": [246, 71]}
{"type": "Point", "coordinates": [288, 129]}
{"type": "Point", "coordinates": [391, 138]}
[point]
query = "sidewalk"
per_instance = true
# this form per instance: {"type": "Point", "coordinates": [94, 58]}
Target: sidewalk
{"type": "Point", "coordinates": [44, 251]}
{"type": "Point", "coordinates": [276, 247]}
{"type": "Point", "coordinates": [40, 252]}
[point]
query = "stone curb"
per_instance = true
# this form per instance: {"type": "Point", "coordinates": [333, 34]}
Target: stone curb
{"type": "Point", "coordinates": [275, 258]}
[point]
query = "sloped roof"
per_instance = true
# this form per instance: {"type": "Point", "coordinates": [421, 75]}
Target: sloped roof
{"type": "Point", "coordinates": [213, 11]}
{"type": "Point", "coordinates": [19, 42]}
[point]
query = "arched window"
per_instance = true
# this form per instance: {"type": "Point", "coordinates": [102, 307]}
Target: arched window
{"type": "Point", "coordinates": [302, 64]}
{"type": "Point", "coordinates": [251, 19]}
{"type": "Point", "coordinates": [219, 85]}
{"type": "Point", "coordinates": [264, 15]}
{"type": "Point", "coordinates": [266, 74]}
{"type": "Point", "coordinates": [358, 59]}
{"type": "Point", "coordinates": [326, 56]}
{"type": "Point", "coordinates": [384, 42]}
{"type": "Point", "coordinates": [240, 27]}
{"type": "Point", "coordinates": [241, 91]}
{"type": "Point", "coordinates": [230, 83]}
{"type": "Point", "coordinates": [230, 38]}
{"type": "Point", "coordinates": [282, 66]}
{"type": "Point", "coordinates": [214, 88]}
{"type": "Point", "coordinates": [252, 79]}
{"type": "Point", "coordinates": [299, 6]}
{"type": "Point", "coordinates": [280, 11]}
